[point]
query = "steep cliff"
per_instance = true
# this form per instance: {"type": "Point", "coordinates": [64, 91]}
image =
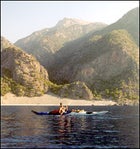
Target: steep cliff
{"type": "Point", "coordinates": [21, 73]}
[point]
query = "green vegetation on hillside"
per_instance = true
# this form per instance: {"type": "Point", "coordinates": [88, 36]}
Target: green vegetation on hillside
{"type": "Point", "coordinates": [9, 85]}
{"type": "Point", "coordinates": [118, 89]}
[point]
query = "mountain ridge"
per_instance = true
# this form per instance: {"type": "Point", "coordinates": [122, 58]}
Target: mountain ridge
{"type": "Point", "coordinates": [125, 22]}
{"type": "Point", "coordinates": [43, 44]}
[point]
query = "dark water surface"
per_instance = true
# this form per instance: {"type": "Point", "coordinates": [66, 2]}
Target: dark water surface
{"type": "Point", "coordinates": [119, 128]}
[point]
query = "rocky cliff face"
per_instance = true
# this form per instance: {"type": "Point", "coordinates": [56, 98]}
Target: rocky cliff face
{"type": "Point", "coordinates": [24, 70]}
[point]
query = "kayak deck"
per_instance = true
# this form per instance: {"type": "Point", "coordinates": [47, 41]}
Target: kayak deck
{"type": "Point", "coordinates": [89, 113]}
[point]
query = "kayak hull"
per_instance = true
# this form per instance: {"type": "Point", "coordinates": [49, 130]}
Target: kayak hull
{"type": "Point", "coordinates": [70, 113]}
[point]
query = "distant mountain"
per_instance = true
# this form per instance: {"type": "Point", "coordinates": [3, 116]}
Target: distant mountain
{"type": "Point", "coordinates": [43, 44]}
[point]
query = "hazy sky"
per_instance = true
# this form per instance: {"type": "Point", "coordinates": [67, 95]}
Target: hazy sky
{"type": "Point", "coordinates": [20, 19]}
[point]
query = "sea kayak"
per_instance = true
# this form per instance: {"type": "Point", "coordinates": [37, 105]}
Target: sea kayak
{"type": "Point", "coordinates": [70, 113]}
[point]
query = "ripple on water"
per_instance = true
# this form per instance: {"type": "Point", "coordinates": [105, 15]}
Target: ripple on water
{"type": "Point", "coordinates": [115, 129]}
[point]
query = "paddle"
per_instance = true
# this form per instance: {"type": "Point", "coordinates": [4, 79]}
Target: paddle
{"type": "Point", "coordinates": [34, 111]}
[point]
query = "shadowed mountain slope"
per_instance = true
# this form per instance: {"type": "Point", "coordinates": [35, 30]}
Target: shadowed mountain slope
{"type": "Point", "coordinates": [104, 63]}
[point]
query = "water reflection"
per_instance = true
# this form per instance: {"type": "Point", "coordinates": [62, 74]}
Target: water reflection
{"type": "Point", "coordinates": [64, 124]}
{"type": "Point", "coordinates": [60, 127]}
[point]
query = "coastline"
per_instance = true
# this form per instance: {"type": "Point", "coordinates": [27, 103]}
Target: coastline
{"type": "Point", "coordinates": [50, 100]}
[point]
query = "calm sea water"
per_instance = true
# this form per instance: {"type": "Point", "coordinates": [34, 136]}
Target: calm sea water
{"type": "Point", "coordinates": [119, 128]}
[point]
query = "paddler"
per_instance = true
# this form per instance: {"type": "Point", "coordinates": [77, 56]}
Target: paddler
{"type": "Point", "coordinates": [62, 109]}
